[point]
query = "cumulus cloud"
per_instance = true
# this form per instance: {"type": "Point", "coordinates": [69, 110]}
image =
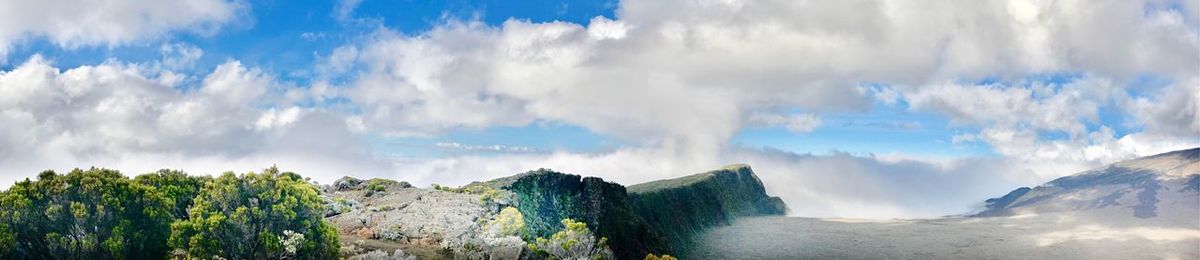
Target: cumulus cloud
{"type": "Point", "coordinates": [1173, 110]}
{"type": "Point", "coordinates": [177, 56]}
{"type": "Point", "coordinates": [678, 79]}
{"type": "Point", "coordinates": [135, 119]}
{"type": "Point", "coordinates": [674, 80]}
{"type": "Point", "coordinates": [801, 123]}
{"type": "Point", "coordinates": [690, 72]}
{"type": "Point", "coordinates": [77, 23]}
{"type": "Point", "coordinates": [1014, 120]}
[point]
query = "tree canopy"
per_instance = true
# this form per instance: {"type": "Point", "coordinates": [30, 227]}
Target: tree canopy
{"type": "Point", "coordinates": [268, 215]}
{"type": "Point", "coordinates": [102, 214]}
{"type": "Point", "coordinates": [177, 186]}
{"type": "Point", "coordinates": [97, 213]}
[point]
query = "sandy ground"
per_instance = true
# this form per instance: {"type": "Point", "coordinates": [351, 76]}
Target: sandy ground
{"type": "Point", "coordinates": [1101, 234]}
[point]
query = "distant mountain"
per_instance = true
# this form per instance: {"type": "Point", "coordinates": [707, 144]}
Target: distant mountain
{"type": "Point", "coordinates": [1167, 184]}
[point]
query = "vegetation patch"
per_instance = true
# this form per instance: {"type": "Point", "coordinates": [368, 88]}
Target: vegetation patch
{"type": "Point", "coordinates": [100, 213]}
{"type": "Point", "coordinates": [574, 241]}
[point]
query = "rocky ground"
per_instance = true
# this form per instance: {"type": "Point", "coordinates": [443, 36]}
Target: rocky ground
{"type": "Point", "coordinates": [384, 219]}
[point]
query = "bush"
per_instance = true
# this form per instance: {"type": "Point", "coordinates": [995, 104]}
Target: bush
{"type": "Point", "coordinates": [487, 194]}
{"type": "Point", "coordinates": [663, 257]}
{"type": "Point", "coordinates": [98, 213]}
{"type": "Point", "coordinates": [575, 241]}
{"type": "Point", "coordinates": [509, 222]}
{"type": "Point", "coordinates": [177, 186]}
{"type": "Point", "coordinates": [270, 215]}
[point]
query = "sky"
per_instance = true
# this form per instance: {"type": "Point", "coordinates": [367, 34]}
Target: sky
{"type": "Point", "coordinates": [860, 109]}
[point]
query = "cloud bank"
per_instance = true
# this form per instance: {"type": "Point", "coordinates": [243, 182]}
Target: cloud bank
{"type": "Point", "coordinates": [675, 81]}
{"type": "Point", "coordinates": [79, 23]}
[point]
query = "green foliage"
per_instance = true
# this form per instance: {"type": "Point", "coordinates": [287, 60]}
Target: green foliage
{"type": "Point", "coordinates": [268, 215]}
{"type": "Point", "coordinates": [663, 257]}
{"type": "Point", "coordinates": [380, 185]}
{"type": "Point", "coordinates": [179, 187]}
{"type": "Point", "coordinates": [448, 188]}
{"type": "Point", "coordinates": [490, 195]}
{"type": "Point", "coordinates": [574, 241]}
{"type": "Point", "coordinates": [509, 222]}
{"type": "Point", "coordinates": [683, 207]}
{"type": "Point", "coordinates": [487, 194]}
{"type": "Point", "coordinates": [97, 213]}
{"type": "Point", "coordinates": [546, 197]}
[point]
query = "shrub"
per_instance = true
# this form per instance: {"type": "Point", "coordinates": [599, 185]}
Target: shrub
{"type": "Point", "coordinates": [270, 215]}
{"type": "Point", "coordinates": [97, 213]}
{"type": "Point", "coordinates": [509, 222]}
{"type": "Point", "coordinates": [663, 257]}
{"type": "Point", "coordinates": [575, 241]}
{"type": "Point", "coordinates": [487, 194]}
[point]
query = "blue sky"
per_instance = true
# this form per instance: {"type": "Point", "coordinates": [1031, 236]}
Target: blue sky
{"type": "Point", "coordinates": [288, 38]}
{"type": "Point", "coordinates": [843, 94]}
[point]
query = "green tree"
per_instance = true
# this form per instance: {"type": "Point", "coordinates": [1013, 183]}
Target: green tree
{"type": "Point", "coordinates": [97, 213]}
{"type": "Point", "coordinates": [179, 187]}
{"type": "Point", "coordinates": [268, 215]}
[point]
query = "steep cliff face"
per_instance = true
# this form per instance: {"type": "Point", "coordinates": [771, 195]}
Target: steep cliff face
{"type": "Point", "coordinates": [655, 217]}
{"type": "Point", "coordinates": [682, 207]}
{"type": "Point", "coordinates": [546, 197]}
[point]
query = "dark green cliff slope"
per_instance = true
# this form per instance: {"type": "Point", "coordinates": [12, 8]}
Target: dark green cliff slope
{"type": "Point", "coordinates": [546, 197]}
{"type": "Point", "coordinates": [656, 217]}
{"type": "Point", "coordinates": [682, 207]}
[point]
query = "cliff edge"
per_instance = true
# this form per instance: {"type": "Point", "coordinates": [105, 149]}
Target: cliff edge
{"type": "Point", "coordinates": [682, 207]}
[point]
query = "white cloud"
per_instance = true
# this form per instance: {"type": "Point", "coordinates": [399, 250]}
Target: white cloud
{"type": "Point", "coordinates": [1040, 106]}
{"type": "Point", "coordinates": [1013, 120]}
{"type": "Point", "coordinates": [674, 79]}
{"type": "Point", "coordinates": [177, 56]}
{"type": "Point", "coordinates": [123, 116]}
{"type": "Point", "coordinates": [344, 9]}
{"type": "Point", "coordinates": [800, 123]}
{"type": "Point", "coordinates": [678, 79]}
{"type": "Point", "coordinates": [691, 72]}
{"type": "Point", "coordinates": [1173, 110]}
{"type": "Point", "coordinates": [486, 148]}
{"type": "Point", "coordinates": [77, 23]}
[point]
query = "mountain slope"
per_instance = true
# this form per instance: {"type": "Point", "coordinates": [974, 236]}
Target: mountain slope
{"type": "Point", "coordinates": [1167, 184]}
{"type": "Point", "coordinates": [682, 207]}
{"type": "Point", "coordinates": [546, 197]}
{"type": "Point", "coordinates": [655, 217]}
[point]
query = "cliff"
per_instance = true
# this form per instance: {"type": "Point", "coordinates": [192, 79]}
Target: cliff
{"type": "Point", "coordinates": [682, 207]}
{"type": "Point", "coordinates": [546, 197]}
{"type": "Point", "coordinates": [655, 217]}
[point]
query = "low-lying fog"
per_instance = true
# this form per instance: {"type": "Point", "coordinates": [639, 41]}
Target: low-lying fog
{"type": "Point", "coordinates": [1100, 234]}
